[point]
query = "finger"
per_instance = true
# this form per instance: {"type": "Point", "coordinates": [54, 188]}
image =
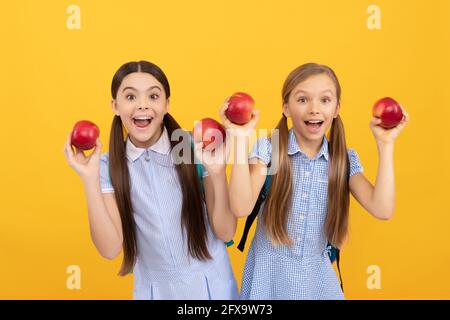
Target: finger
{"type": "Point", "coordinates": [68, 147]}
{"type": "Point", "coordinates": [224, 107]}
{"type": "Point", "coordinates": [255, 114]}
{"type": "Point", "coordinates": [198, 146]}
{"type": "Point", "coordinates": [223, 117]}
{"type": "Point", "coordinates": [255, 117]}
{"type": "Point", "coordinates": [209, 148]}
{"type": "Point", "coordinates": [79, 151]}
{"type": "Point", "coordinates": [405, 117]}
{"type": "Point", "coordinates": [98, 147]}
{"type": "Point", "coordinates": [405, 114]}
{"type": "Point", "coordinates": [66, 154]}
{"type": "Point", "coordinates": [95, 155]}
{"type": "Point", "coordinates": [226, 122]}
{"type": "Point", "coordinates": [375, 121]}
{"type": "Point", "coordinates": [401, 125]}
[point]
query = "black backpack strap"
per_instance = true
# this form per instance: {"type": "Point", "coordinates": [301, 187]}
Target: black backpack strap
{"type": "Point", "coordinates": [339, 268]}
{"type": "Point", "coordinates": [250, 219]}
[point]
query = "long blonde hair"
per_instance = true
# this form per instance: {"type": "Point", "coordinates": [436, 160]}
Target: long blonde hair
{"type": "Point", "coordinates": [279, 199]}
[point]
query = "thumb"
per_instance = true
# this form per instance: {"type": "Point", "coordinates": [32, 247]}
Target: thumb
{"type": "Point", "coordinates": [375, 121]}
{"type": "Point", "coordinates": [98, 147]}
{"type": "Point", "coordinates": [95, 155]}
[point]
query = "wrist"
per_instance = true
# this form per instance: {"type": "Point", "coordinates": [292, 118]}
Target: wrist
{"type": "Point", "coordinates": [385, 146]}
{"type": "Point", "coordinates": [91, 181]}
{"type": "Point", "coordinates": [240, 133]}
{"type": "Point", "coordinates": [217, 172]}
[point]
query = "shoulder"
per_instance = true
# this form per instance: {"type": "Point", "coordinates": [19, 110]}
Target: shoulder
{"type": "Point", "coordinates": [352, 155]}
{"type": "Point", "coordinates": [355, 163]}
{"type": "Point", "coordinates": [263, 144]}
{"type": "Point", "coordinates": [262, 150]}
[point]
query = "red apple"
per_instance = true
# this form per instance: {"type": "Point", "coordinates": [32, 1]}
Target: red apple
{"type": "Point", "coordinates": [389, 111]}
{"type": "Point", "coordinates": [211, 132]}
{"type": "Point", "coordinates": [84, 135]}
{"type": "Point", "coordinates": [240, 107]}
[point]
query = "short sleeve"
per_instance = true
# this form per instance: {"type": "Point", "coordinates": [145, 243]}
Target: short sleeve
{"type": "Point", "coordinates": [262, 150]}
{"type": "Point", "coordinates": [355, 163]}
{"type": "Point", "coordinates": [105, 179]}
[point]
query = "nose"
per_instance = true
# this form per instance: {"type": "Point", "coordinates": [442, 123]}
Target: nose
{"type": "Point", "coordinates": [314, 107]}
{"type": "Point", "coordinates": [143, 103]}
{"type": "Point", "coordinates": [143, 107]}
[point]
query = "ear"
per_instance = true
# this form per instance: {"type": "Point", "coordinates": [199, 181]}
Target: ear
{"type": "Point", "coordinates": [286, 110]}
{"type": "Point", "coordinates": [114, 107]}
{"type": "Point", "coordinates": [167, 105]}
{"type": "Point", "coordinates": [336, 113]}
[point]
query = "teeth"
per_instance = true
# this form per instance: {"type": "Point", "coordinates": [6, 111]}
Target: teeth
{"type": "Point", "coordinates": [314, 121]}
{"type": "Point", "coordinates": [143, 118]}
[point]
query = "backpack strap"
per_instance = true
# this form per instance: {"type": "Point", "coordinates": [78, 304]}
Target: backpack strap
{"type": "Point", "coordinates": [251, 218]}
{"type": "Point", "coordinates": [249, 221]}
{"type": "Point", "coordinates": [334, 254]}
{"type": "Point", "coordinates": [338, 254]}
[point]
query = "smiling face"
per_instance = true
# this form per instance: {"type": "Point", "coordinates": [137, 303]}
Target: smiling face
{"type": "Point", "coordinates": [312, 105]}
{"type": "Point", "coordinates": [141, 104]}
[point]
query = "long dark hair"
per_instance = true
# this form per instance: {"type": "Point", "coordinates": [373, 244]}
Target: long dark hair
{"type": "Point", "coordinates": [192, 216]}
{"type": "Point", "coordinates": [279, 198]}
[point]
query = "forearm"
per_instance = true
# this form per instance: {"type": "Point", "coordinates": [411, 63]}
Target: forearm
{"type": "Point", "coordinates": [103, 231]}
{"type": "Point", "coordinates": [383, 197]}
{"type": "Point", "coordinates": [223, 220]}
{"type": "Point", "coordinates": [240, 189]}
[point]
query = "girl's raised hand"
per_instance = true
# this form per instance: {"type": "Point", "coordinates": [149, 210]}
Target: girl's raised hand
{"type": "Point", "coordinates": [214, 161]}
{"type": "Point", "coordinates": [87, 167]}
{"type": "Point", "coordinates": [236, 129]}
{"type": "Point", "coordinates": [388, 136]}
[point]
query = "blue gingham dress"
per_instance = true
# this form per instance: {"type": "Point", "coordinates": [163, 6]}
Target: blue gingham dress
{"type": "Point", "coordinates": [164, 269]}
{"type": "Point", "coordinates": [303, 270]}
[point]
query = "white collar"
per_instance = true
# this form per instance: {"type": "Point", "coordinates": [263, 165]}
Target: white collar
{"type": "Point", "coordinates": [161, 146]}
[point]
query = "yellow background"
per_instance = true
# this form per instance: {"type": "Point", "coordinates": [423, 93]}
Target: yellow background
{"type": "Point", "coordinates": [52, 77]}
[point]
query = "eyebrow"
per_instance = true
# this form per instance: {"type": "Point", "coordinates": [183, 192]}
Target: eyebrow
{"type": "Point", "coordinates": [132, 88]}
{"type": "Point", "coordinates": [303, 91]}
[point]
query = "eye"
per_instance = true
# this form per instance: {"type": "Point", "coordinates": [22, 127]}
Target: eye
{"type": "Point", "coordinates": [130, 97]}
{"type": "Point", "coordinates": [154, 96]}
{"type": "Point", "coordinates": [302, 100]}
{"type": "Point", "coordinates": [326, 100]}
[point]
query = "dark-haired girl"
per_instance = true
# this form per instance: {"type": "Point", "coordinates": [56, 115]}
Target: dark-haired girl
{"type": "Point", "coordinates": [171, 226]}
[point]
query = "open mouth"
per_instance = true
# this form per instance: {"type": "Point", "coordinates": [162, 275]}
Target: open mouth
{"type": "Point", "coordinates": [314, 124]}
{"type": "Point", "coordinates": [142, 122]}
